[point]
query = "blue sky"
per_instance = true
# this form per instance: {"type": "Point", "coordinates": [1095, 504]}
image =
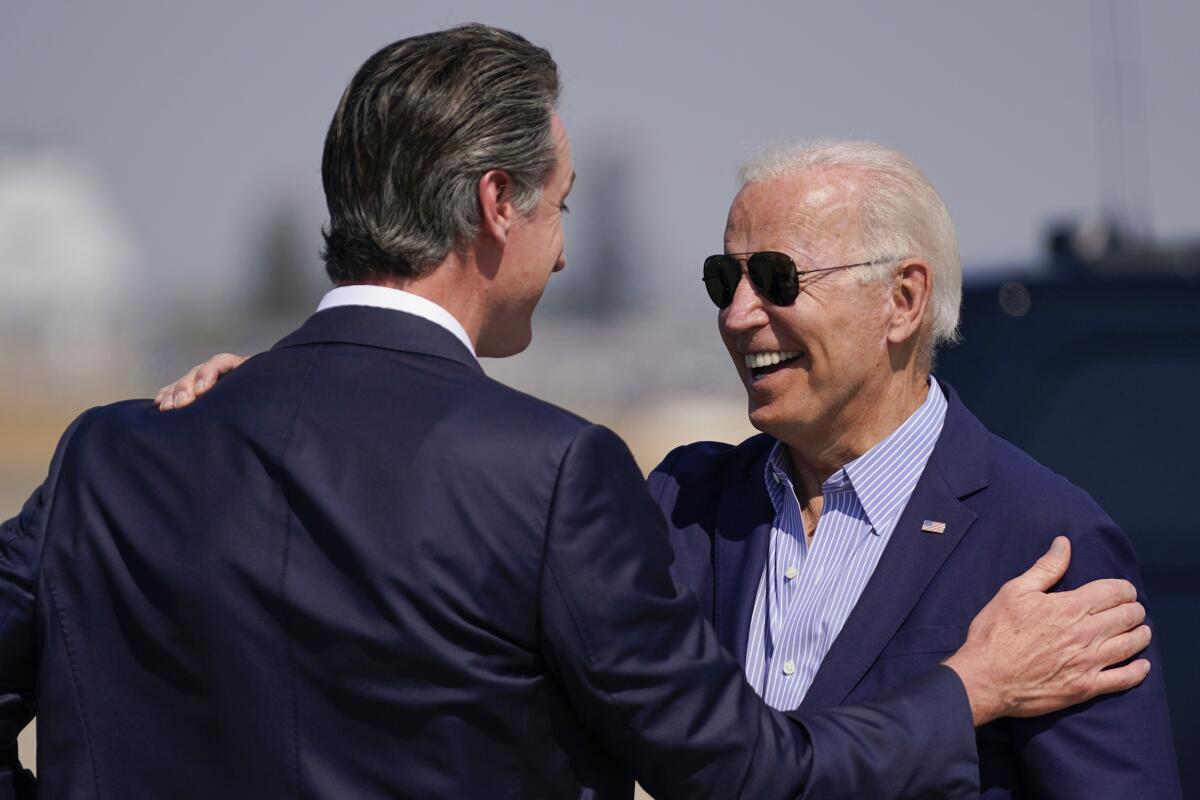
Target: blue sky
{"type": "Point", "coordinates": [201, 118]}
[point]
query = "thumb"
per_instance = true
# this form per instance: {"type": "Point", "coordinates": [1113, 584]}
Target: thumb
{"type": "Point", "coordinates": [1049, 569]}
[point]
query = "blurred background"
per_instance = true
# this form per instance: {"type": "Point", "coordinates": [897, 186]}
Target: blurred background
{"type": "Point", "coordinates": [160, 200]}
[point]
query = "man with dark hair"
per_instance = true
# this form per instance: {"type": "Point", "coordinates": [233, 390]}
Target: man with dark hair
{"type": "Point", "coordinates": [360, 568]}
{"type": "Point", "coordinates": [403, 148]}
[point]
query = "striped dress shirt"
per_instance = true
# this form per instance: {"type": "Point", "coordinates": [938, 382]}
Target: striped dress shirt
{"type": "Point", "coordinates": [805, 594]}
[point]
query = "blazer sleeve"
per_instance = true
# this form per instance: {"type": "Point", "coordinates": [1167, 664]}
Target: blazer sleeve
{"type": "Point", "coordinates": [644, 671]}
{"type": "Point", "coordinates": [20, 557]}
{"type": "Point", "coordinates": [1117, 746]}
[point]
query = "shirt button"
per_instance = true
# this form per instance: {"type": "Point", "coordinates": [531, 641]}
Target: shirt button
{"type": "Point", "coordinates": [789, 667]}
{"type": "Point", "coordinates": [789, 573]}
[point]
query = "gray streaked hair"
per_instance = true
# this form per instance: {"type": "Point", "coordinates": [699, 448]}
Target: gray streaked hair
{"type": "Point", "coordinates": [418, 126]}
{"type": "Point", "coordinates": [902, 214]}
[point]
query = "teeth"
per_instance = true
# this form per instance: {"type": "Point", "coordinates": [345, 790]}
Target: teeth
{"type": "Point", "coordinates": [760, 360]}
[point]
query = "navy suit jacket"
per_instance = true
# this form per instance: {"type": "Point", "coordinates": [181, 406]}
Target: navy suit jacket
{"type": "Point", "coordinates": [1002, 509]}
{"type": "Point", "coordinates": [359, 568]}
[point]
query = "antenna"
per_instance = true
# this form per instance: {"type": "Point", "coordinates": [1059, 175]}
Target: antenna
{"type": "Point", "coordinates": [1124, 167]}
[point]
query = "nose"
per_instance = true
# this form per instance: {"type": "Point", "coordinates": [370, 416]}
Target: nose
{"type": "Point", "coordinates": [745, 312]}
{"type": "Point", "coordinates": [561, 264]}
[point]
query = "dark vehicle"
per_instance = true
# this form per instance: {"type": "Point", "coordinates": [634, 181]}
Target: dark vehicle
{"type": "Point", "coordinates": [1096, 373]}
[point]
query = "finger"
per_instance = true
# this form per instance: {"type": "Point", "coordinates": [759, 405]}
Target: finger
{"type": "Point", "coordinates": [211, 371]}
{"type": "Point", "coordinates": [168, 402]}
{"type": "Point", "coordinates": [226, 362]}
{"type": "Point", "coordinates": [188, 382]}
{"type": "Point", "coordinates": [1124, 646]}
{"type": "Point", "coordinates": [1116, 620]}
{"type": "Point", "coordinates": [214, 368]}
{"type": "Point", "coordinates": [1119, 679]}
{"type": "Point", "coordinates": [183, 388]}
{"type": "Point", "coordinates": [1047, 570]}
{"type": "Point", "coordinates": [1102, 594]}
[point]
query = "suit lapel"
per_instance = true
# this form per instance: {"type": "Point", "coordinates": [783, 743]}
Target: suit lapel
{"type": "Point", "coordinates": [956, 468]}
{"type": "Point", "coordinates": [743, 531]}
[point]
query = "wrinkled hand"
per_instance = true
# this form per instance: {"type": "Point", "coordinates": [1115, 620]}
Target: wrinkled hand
{"type": "Point", "coordinates": [198, 380]}
{"type": "Point", "coordinates": [1030, 652]}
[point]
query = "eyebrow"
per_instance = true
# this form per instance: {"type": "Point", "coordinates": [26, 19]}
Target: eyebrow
{"type": "Point", "coordinates": [571, 184]}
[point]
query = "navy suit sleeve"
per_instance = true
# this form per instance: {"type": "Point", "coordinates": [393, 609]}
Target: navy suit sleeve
{"type": "Point", "coordinates": [644, 670]}
{"type": "Point", "coordinates": [1117, 746]}
{"type": "Point", "coordinates": [20, 557]}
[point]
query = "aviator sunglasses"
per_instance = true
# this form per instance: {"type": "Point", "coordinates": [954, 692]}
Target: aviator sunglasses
{"type": "Point", "coordinates": [774, 275]}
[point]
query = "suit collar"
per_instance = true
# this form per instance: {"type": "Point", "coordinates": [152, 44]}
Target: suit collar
{"type": "Point", "coordinates": [743, 531]}
{"type": "Point", "coordinates": [380, 327]}
{"type": "Point", "coordinates": [398, 300]}
{"type": "Point", "coordinates": [961, 452]}
{"type": "Point", "coordinates": [956, 469]}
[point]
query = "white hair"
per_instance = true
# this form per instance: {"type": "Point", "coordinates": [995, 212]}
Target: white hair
{"type": "Point", "coordinates": [902, 214]}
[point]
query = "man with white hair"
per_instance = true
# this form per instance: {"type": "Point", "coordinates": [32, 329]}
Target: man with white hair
{"type": "Point", "coordinates": [847, 547]}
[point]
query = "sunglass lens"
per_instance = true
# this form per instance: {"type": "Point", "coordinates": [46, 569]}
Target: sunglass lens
{"type": "Point", "coordinates": [774, 274]}
{"type": "Point", "coordinates": [721, 275]}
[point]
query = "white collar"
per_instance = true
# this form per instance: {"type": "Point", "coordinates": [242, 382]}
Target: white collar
{"type": "Point", "coordinates": [397, 300]}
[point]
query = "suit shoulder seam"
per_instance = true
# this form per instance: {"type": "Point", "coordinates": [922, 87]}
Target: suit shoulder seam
{"type": "Point", "coordinates": [549, 567]}
{"type": "Point", "coordinates": [79, 693]}
{"type": "Point", "coordinates": [283, 570]}
{"type": "Point", "coordinates": [550, 508]}
{"type": "Point", "coordinates": [56, 464]}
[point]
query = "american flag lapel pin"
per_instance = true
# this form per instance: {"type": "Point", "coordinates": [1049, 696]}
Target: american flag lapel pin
{"type": "Point", "coordinates": [933, 526]}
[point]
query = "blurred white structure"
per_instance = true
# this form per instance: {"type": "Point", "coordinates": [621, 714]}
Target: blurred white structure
{"type": "Point", "coordinates": [66, 272]}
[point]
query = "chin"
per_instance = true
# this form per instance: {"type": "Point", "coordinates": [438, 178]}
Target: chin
{"type": "Point", "coordinates": [774, 420]}
{"type": "Point", "coordinates": [762, 418]}
{"type": "Point", "coordinates": [510, 344]}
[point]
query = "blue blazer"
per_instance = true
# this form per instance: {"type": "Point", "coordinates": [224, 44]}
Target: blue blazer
{"type": "Point", "coordinates": [359, 568]}
{"type": "Point", "coordinates": [1002, 509]}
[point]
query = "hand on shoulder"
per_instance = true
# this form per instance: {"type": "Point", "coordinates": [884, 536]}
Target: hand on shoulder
{"type": "Point", "coordinates": [196, 381]}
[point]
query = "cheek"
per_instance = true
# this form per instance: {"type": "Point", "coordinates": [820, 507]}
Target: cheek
{"type": "Point", "coordinates": [727, 338]}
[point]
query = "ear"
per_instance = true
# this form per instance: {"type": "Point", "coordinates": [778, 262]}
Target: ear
{"type": "Point", "coordinates": [496, 210]}
{"type": "Point", "coordinates": [912, 286]}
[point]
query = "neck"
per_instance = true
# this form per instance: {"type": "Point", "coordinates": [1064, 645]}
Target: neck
{"type": "Point", "coordinates": [856, 427]}
{"type": "Point", "coordinates": [451, 285]}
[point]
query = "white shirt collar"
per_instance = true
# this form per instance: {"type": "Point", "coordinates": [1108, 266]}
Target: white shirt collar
{"type": "Point", "coordinates": [397, 300]}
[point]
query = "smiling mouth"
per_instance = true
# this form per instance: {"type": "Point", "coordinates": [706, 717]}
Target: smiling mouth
{"type": "Point", "coordinates": [763, 364]}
